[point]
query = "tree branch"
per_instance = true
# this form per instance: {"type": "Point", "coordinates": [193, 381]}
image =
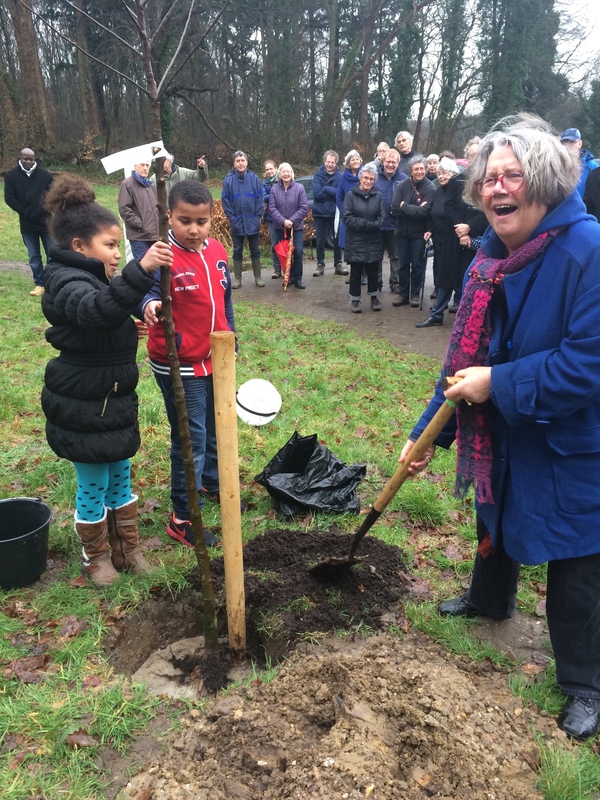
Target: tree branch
{"type": "Point", "coordinates": [196, 47]}
{"type": "Point", "coordinates": [163, 80]}
{"type": "Point", "coordinates": [99, 24]}
{"type": "Point", "coordinates": [85, 52]}
{"type": "Point", "coordinates": [163, 22]}
{"type": "Point", "coordinates": [204, 119]}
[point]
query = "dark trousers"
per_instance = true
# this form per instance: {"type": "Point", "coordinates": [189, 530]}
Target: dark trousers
{"type": "Point", "coordinates": [356, 271]}
{"type": "Point", "coordinates": [297, 258]}
{"type": "Point", "coordinates": [34, 243]}
{"type": "Point", "coordinates": [238, 246]}
{"type": "Point", "coordinates": [572, 608]}
{"type": "Point", "coordinates": [389, 245]}
{"type": "Point", "coordinates": [411, 266]}
{"type": "Point", "coordinates": [273, 237]}
{"type": "Point", "coordinates": [323, 229]}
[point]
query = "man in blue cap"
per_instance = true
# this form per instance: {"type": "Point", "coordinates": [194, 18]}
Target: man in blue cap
{"type": "Point", "coordinates": [572, 138]}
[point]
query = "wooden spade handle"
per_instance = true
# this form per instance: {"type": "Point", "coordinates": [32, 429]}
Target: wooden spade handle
{"type": "Point", "coordinates": [416, 453]}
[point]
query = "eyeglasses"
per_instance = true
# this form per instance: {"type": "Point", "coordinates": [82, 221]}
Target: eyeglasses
{"type": "Point", "coordinates": [511, 182]}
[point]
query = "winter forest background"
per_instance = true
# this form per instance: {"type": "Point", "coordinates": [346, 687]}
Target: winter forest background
{"type": "Point", "coordinates": [283, 78]}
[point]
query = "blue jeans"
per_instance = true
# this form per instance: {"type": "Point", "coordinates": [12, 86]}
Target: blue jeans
{"type": "Point", "coordinates": [323, 229]}
{"type": "Point", "coordinates": [238, 246]}
{"type": "Point", "coordinates": [201, 413]}
{"type": "Point", "coordinates": [34, 253]}
{"type": "Point", "coordinates": [411, 266]}
{"type": "Point", "coordinates": [297, 258]}
{"type": "Point", "coordinates": [139, 249]}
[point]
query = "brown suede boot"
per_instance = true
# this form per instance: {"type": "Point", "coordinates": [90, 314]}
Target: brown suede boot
{"type": "Point", "coordinates": [96, 559]}
{"type": "Point", "coordinates": [124, 538]}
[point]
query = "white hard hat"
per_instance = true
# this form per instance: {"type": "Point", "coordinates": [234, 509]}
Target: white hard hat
{"type": "Point", "coordinates": [257, 402]}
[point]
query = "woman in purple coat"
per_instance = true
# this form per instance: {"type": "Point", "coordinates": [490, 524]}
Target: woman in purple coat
{"type": "Point", "coordinates": [288, 207]}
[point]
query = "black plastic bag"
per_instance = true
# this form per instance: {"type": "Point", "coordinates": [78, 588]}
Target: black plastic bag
{"type": "Point", "coordinates": [305, 475]}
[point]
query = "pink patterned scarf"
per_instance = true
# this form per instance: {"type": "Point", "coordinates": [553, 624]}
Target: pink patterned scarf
{"type": "Point", "coordinates": [468, 347]}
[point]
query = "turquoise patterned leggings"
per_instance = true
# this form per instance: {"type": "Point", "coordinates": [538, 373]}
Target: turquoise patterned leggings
{"type": "Point", "coordinates": [100, 485]}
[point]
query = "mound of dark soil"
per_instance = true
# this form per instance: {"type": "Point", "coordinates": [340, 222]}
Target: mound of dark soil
{"type": "Point", "coordinates": [287, 603]}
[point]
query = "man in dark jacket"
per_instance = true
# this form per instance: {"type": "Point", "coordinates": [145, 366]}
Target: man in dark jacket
{"type": "Point", "coordinates": [404, 145]}
{"type": "Point", "coordinates": [137, 207]}
{"type": "Point", "coordinates": [325, 183]}
{"type": "Point", "coordinates": [24, 188]}
{"type": "Point", "coordinates": [388, 177]}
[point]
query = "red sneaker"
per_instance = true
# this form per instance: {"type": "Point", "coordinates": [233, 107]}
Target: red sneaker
{"type": "Point", "coordinates": [182, 532]}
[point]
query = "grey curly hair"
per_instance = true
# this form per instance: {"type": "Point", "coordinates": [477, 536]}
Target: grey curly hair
{"type": "Point", "coordinates": [551, 171]}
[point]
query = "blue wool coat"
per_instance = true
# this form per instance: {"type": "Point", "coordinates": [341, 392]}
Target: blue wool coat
{"type": "Point", "coordinates": [324, 185]}
{"type": "Point", "coordinates": [545, 395]}
{"type": "Point", "coordinates": [347, 182]}
{"type": "Point", "coordinates": [243, 202]}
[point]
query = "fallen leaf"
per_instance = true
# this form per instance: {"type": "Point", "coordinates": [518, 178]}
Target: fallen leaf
{"type": "Point", "coordinates": [153, 543]}
{"type": "Point", "coordinates": [79, 582]}
{"type": "Point", "coordinates": [532, 669]}
{"type": "Point", "coordinates": [149, 506]}
{"type": "Point", "coordinates": [540, 609]}
{"type": "Point", "coordinates": [360, 432]}
{"type": "Point", "coordinates": [453, 553]}
{"type": "Point", "coordinates": [92, 682]}
{"type": "Point", "coordinates": [81, 738]}
{"type": "Point", "coordinates": [360, 587]}
{"type": "Point", "coordinates": [418, 588]}
{"type": "Point", "coordinates": [72, 627]}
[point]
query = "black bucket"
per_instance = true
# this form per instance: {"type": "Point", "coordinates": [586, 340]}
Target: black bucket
{"type": "Point", "coordinates": [24, 526]}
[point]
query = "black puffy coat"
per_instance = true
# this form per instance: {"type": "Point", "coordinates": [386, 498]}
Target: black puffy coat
{"type": "Point", "coordinates": [89, 396]}
{"type": "Point", "coordinates": [456, 258]}
{"type": "Point", "coordinates": [363, 216]}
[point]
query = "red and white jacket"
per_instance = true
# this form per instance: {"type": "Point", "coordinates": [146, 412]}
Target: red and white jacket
{"type": "Point", "coordinates": [201, 292]}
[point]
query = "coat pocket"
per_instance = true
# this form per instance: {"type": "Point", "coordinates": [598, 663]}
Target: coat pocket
{"type": "Point", "coordinates": [575, 454]}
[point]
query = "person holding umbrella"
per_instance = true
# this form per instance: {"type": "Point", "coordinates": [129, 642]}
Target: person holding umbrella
{"type": "Point", "coordinates": [288, 207]}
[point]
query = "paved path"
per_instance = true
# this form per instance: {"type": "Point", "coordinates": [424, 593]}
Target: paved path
{"type": "Point", "coordinates": [326, 297]}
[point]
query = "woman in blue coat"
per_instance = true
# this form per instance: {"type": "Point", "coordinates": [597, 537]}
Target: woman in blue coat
{"type": "Point", "coordinates": [348, 180]}
{"type": "Point", "coordinates": [526, 343]}
{"type": "Point", "coordinates": [242, 198]}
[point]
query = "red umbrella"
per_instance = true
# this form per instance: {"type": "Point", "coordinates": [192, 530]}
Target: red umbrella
{"type": "Point", "coordinates": [284, 250]}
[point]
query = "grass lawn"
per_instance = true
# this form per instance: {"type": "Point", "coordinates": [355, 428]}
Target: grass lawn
{"type": "Point", "coordinates": [361, 398]}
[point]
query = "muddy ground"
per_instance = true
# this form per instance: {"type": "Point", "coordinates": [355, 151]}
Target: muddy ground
{"type": "Point", "coordinates": [354, 711]}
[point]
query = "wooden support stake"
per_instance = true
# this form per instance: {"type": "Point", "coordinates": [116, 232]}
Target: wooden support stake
{"type": "Point", "coordinates": [223, 360]}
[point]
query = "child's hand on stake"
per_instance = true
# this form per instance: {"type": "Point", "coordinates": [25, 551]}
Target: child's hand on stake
{"type": "Point", "coordinates": [152, 312]}
{"type": "Point", "coordinates": [159, 255]}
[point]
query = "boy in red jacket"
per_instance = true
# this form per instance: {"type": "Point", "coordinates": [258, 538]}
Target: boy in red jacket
{"type": "Point", "coordinates": [201, 292]}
